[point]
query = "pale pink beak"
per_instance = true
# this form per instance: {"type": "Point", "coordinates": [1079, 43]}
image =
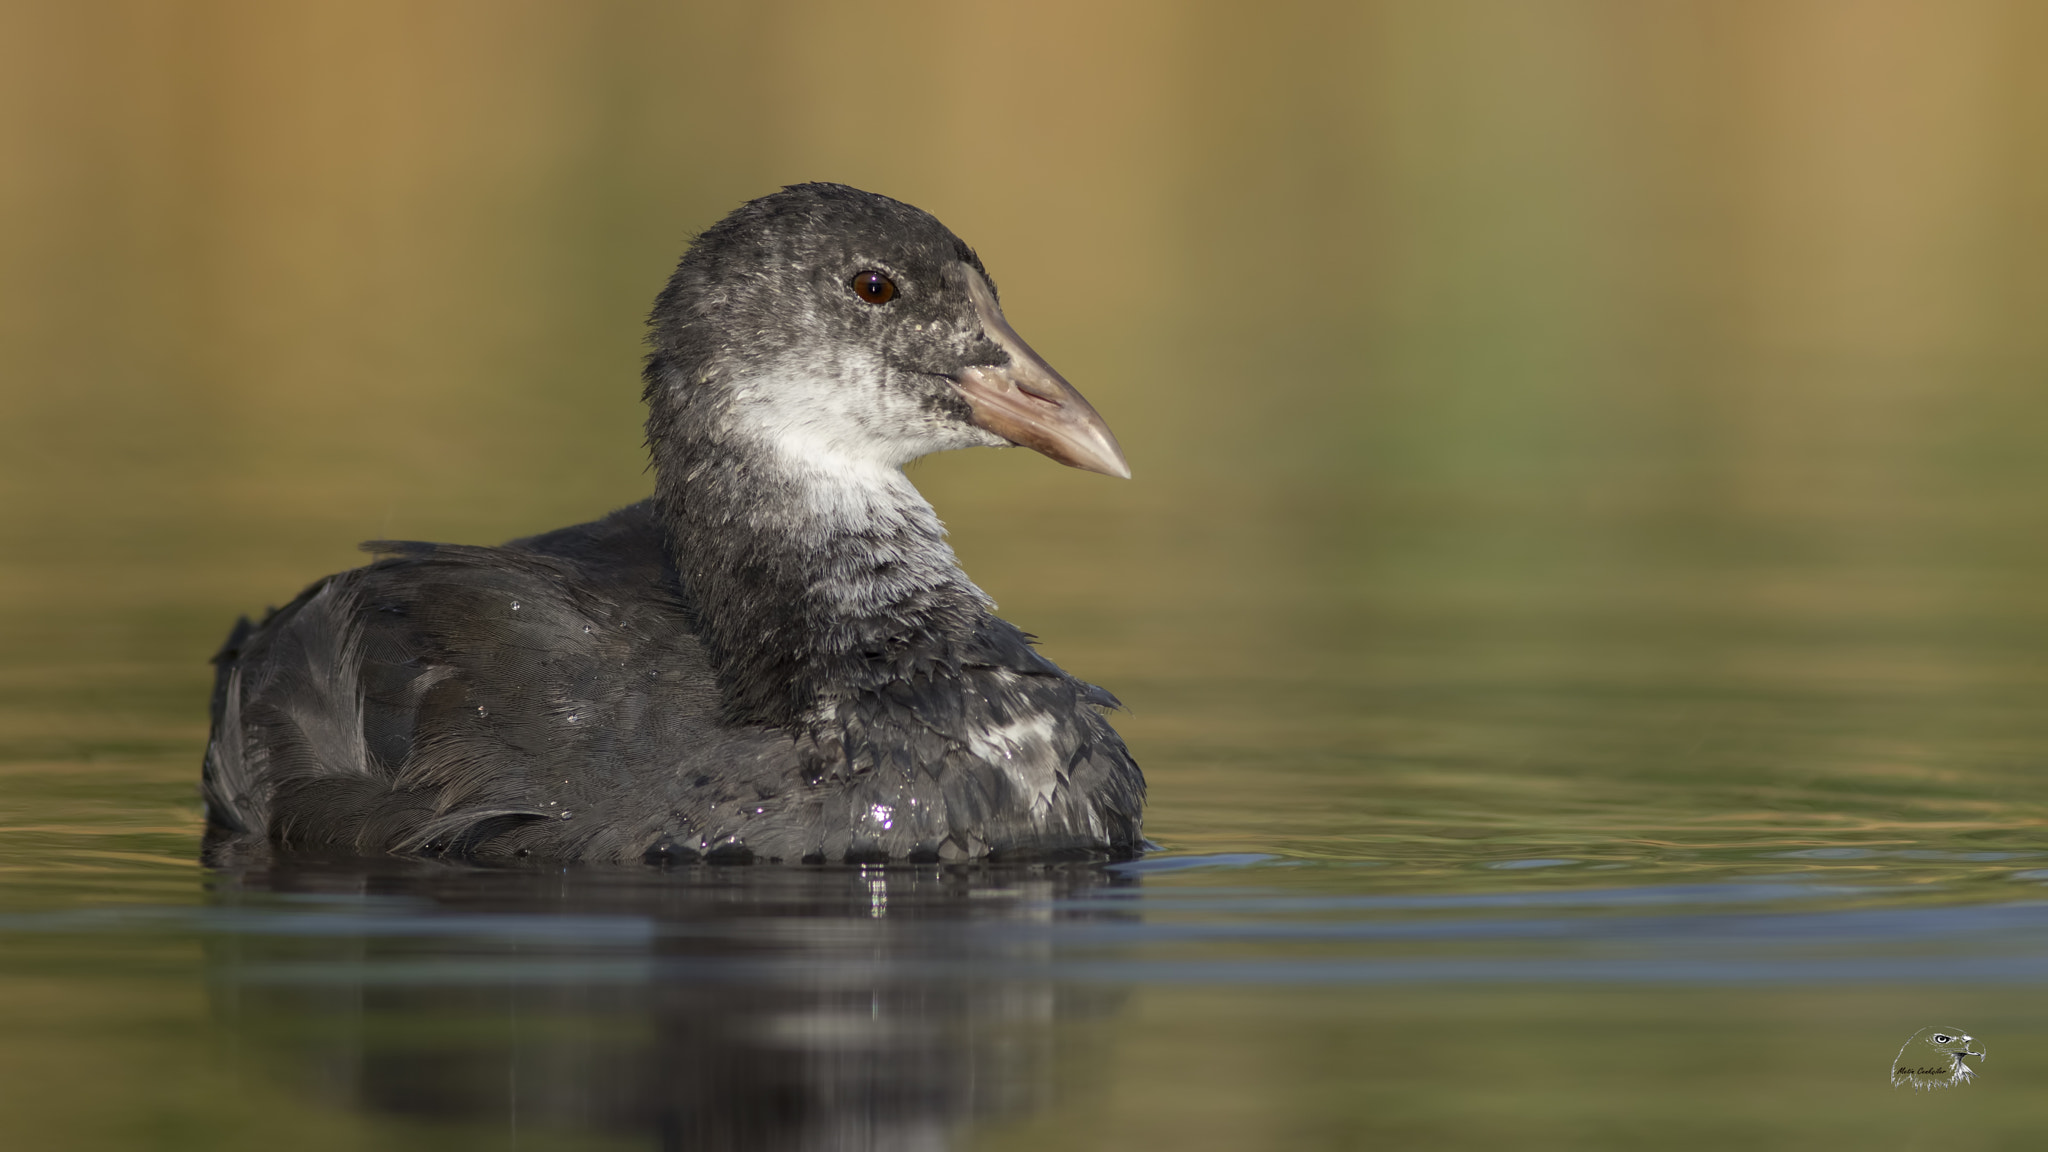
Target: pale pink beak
{"type": "Point", "coordinates": [1027, 403]}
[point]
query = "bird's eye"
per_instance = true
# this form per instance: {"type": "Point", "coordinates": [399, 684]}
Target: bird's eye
{"type": "Point", "coordinates": [1940, 1039]}
{"type": "Point", "coordinates": [874, 287]}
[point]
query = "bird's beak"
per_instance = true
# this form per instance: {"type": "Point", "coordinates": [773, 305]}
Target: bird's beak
{"type": "Point", "coordinates": [1027, 403]}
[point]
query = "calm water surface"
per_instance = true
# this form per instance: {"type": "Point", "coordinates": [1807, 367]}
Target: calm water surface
{"type": "Point", "coordinates": [1583, 605]}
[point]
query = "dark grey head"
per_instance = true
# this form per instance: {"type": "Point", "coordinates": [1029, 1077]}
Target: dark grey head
{"type": "Point", "coordinates": [842, 332]}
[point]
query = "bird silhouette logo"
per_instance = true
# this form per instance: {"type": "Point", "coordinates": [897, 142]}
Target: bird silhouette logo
{"type": "Point", "coordinates": [1935, 1058]}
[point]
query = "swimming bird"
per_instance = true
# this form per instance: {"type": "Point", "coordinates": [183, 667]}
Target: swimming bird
{"type": "Point", "coordinates": [774, 658]}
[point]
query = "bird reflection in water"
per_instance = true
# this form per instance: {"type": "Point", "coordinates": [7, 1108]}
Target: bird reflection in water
{"type": "Point", "coordinates": [703, 1008]}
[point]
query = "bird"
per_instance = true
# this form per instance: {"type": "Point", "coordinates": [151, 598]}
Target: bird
{"type": "Point", "coordinates": [775, 658]}
{"type": "Point", "coordinates": [1934, 1058]}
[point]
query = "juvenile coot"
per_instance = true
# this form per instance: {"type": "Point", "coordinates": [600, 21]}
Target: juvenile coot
{"type": "Point", "coordinates": [776, 657]}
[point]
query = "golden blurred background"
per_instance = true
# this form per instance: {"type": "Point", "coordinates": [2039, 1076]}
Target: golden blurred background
{"type": "Point", "coordinates": [1569, 343]}
{"type": "Point", "coordinates": [274, 274]}
{"type": "Point", "coordinates": [1595, 428]}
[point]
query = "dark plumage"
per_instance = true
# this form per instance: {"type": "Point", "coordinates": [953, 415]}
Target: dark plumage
{"type": "Point", "coordinates": [774, 658]}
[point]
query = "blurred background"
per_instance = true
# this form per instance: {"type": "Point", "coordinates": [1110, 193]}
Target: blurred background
{"type": "Point", "coordinates": [1598, 429]}
{"type": "Point", "coordinates": [1599, 346]}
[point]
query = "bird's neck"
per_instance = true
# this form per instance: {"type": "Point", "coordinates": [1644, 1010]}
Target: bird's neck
{"type": "Point", "coordinates": [821, 579]}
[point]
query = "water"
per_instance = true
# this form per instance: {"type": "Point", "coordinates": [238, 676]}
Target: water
{"type": "Point", "coordinates": [1579, 601]}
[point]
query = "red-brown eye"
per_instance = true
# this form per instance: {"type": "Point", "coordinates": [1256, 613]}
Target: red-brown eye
{"type": "Point", "coordinates": [874, 287]}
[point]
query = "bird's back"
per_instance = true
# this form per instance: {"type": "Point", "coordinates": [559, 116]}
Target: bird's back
{"type": "Point", "coordinates": [552, 698]}
{"type": "Point", "coordinates": [426, 701]}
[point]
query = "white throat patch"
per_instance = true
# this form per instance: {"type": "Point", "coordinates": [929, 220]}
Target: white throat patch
{"type": "Point", "coordinates": [839, 443]}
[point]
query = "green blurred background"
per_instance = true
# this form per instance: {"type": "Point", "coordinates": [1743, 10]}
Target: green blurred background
{"type": "Point", "coordinates": [1686, 353]}
{"type": "Point", "coordinates": [1605, 429]}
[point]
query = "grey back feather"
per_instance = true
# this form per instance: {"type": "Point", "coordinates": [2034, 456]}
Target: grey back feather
{"type": "Point", "coordinates": [553, 699]}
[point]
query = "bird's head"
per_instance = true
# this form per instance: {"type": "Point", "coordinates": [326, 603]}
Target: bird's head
{"type": "Point", "coordinates": [841, 329]}
{"type": "Point", "coordinates": [1950, 1041]}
